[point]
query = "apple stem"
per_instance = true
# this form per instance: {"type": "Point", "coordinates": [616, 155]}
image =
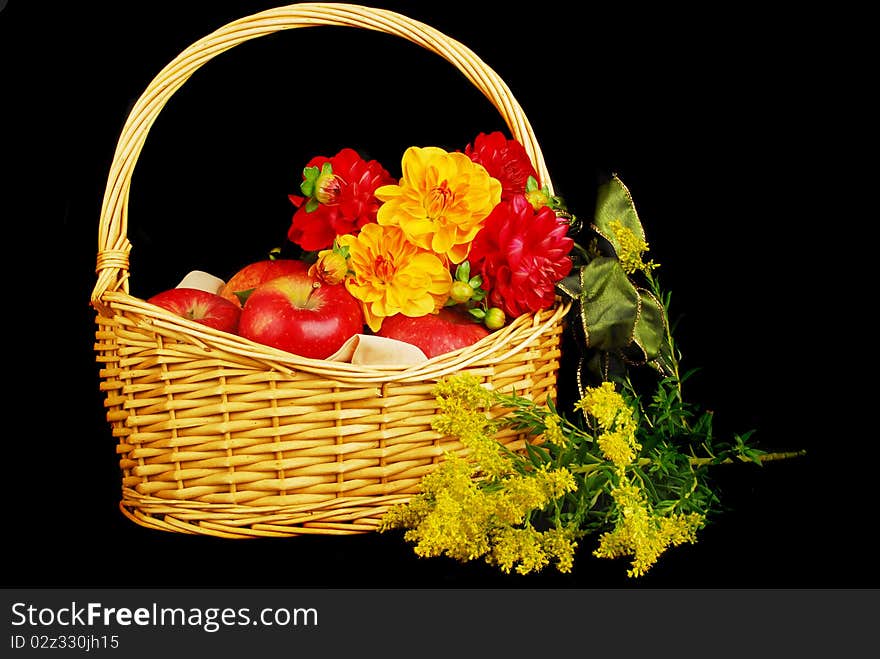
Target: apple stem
{"type": "Point", "coordinates": [315, 286]}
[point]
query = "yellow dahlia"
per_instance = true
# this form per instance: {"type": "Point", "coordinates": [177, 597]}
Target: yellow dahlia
{"type": "Point", "coordinates": [440, 202]}
{"type": "Point", "coordinates": [391, 275]}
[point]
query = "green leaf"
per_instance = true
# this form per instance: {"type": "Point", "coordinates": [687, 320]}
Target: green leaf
{"type": "Point", "coordinates": [537, 454]}
{"type": "Point", "coordinates": [244, 295]}
{"type": "Point", "coordinates": [614, 202]}
{"type": "Point", "coordinates": [609, 304]}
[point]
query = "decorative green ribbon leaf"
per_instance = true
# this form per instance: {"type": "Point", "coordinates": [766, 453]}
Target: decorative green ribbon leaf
{"type": "Point", "coordinates": [614, 202]}
{"type": "Point", "coordinates": [571, 285]}
{"type": "Point", "coordinates": [650, 329]}
{"type": "Point", "coordinates": [609, 304]}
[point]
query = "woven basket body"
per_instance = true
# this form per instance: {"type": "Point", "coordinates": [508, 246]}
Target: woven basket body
{"type": "Point", "coordinates": [218, 435]}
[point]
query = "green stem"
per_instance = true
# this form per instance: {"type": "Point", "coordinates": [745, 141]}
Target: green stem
{"type": "Point", "coordinates": [698, 462]}
{"type": "Point", "coordinates": [583, 252]}
{"type": "Point", "coordinates": [766, 457]}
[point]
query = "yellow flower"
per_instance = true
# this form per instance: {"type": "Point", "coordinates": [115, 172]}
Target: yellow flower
{"type": "Point", "coordinates": [618, 439]}
{"type": "Point", "coordinates": [330, 268]}
{"type": "Point", "coordinates": [392, 275]}
{"type": "Point", "coordinates": [440, 202]}
{"type": "Point", "coordinates": [602, 402]}
{"type": "Point", "coordinates": [552, 430]}
{"type": "Point", "coordinates": [619, 446]}
{"type": "Point", "coordinates": [630, 250]}
{"type": "Point", "coordinates": [641, 533]}
{"type": "Point", "coordinates": [518, 545]}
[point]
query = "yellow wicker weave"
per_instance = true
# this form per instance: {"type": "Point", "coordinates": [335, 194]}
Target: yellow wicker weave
{"type": "Point", "coordinates": [222, 436]}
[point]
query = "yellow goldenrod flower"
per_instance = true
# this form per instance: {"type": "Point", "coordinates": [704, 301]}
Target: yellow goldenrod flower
{"type": "Point", "coordinates": [462, 412]}
{"type": "Point", "coordinates": [618, 446]}
{"type": "Point", "coordinates": [559, 543]}
{"type": "Point", "coordinates": [440, 201]}
{"type": "Point", "coordinates": [641, 533]}
{"type": "Point", "coordinates": [552, 431]}
{"type": "Point", "coordinates": [602, 402]}
{"type": "Point", "coordinates": [391, 275]}
{"type": "Point", "coordinates": [484, 501]}
{"type": "Point", "coordinates": [630, 249]}
{"type": "Point", "coordinates": [522, 546]}
{"type": "Point", "coordinates": [466, 388]}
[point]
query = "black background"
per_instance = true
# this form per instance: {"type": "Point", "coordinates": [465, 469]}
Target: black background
{"type": "Point", "coordinates": [715, 123]}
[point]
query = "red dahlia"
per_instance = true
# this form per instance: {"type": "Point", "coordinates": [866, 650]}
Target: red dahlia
{"type": "Point", "coordinates": [521, 255]}
{"type": "Point", "coordinates": [341, 199]}
{"type": "Point", "coordinates": [505, 160]}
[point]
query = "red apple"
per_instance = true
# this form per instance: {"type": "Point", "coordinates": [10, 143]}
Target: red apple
{"type": "Point", "coordinates": [299, 314]}
{"type": "Point", "coordinates": [201, 306]}
{"type": "Point", "coordinates": [435, 334]}
{"type": "Point", "coordinates": [254, 274]}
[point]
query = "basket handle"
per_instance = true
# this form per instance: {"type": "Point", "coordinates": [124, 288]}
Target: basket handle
{"type": "Point", "coordinates": [113, 244]}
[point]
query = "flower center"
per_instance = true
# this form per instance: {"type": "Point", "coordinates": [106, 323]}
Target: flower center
{"type": "Point", "coordinates": [384, 269]}
{"type": "Point", "coordinates": [439, 198]}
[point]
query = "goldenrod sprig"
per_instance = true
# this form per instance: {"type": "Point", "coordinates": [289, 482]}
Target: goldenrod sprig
{"type": "Point", "coordinates": [630, 470]}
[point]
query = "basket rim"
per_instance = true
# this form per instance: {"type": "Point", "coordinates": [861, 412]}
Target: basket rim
{"type": "Point", "coordinates": [497, 347]}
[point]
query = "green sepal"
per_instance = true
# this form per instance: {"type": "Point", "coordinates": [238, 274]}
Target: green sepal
{"type": "Point", "coordinates": [531, 184]}
{"type": "Point", "coordinates": [310, 177]}
{"type": "Point", "coordinates": [312, 205]}
{"type": "Point", "coordinates": [463, 271]}
{"type": "Point", "coordinates": [475, 282]}
{"type": "Point", "coordinates": [614, 202]}
{"type": "Point", "coordinates": [477, 313]}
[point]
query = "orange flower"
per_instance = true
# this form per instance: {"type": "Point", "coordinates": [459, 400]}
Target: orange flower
{"type": "Point", "coordinates": [440, 202]}
{"type": "Point", "coordinates": [330, 268]}
{"type": "Point", "coordinates": [391, 275]}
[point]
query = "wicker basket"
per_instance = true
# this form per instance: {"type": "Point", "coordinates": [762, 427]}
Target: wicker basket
{"type": "Point", "coordinates": [218, 435]}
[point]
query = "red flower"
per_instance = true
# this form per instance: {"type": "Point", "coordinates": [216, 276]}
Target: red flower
{"type": "Point", "coordinates": [342, 201]}
{"type": "Point", "coordinates": [505, 160]}
{"type": "Point", "coordinates": [521, 255]}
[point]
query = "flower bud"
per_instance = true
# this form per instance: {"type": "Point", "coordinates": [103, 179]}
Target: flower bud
{"type": "Point", "coordinates": [539, 198]}
{"type": "Point", "coordinates": [327, 188]}
{"type": "Point", "coordinates": [494, 318]}
{"type": "Point", "coordinates": [330, 268]}
{"type": "Point", "coordinates": [461, 291]}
